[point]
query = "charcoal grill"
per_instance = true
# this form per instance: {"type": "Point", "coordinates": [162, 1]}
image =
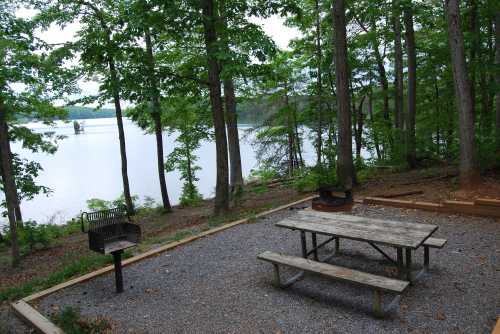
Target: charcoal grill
{"type": "Point", "coordinates": [333, 199]}
{"type": "Point", "coordinates": [111, 232]}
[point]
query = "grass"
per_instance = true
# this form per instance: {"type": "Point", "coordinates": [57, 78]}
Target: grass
{"type": "Point", "coordinates": [80, 266]}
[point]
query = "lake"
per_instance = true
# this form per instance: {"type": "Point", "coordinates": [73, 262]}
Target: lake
{"type": "Point", "coordinates": [88, 166]}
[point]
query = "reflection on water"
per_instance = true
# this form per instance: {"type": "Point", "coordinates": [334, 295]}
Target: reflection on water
{"type": "Point", "coordinates": [88, 166]}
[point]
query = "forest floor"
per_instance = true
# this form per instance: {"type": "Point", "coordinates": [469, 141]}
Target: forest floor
{"type": "Point", "coordinates": [70, 256]}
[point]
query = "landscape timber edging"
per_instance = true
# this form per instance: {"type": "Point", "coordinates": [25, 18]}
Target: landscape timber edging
{"type": "Point", "coordinates": [480, 207]}
{"type": "Point", "coordinates": [43, 325]}
{"type": "Point", "coordinates": [496, 329]}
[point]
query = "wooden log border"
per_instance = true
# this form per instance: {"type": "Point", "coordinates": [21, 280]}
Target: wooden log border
{"type": "Point", "coordinates": [496, 329]}
{"type": "Point", "coordinates": [43, 325]}
{"type": "Point", "coordinates": [480, 207]}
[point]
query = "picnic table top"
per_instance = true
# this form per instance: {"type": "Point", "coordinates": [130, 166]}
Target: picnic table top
{"type": "Point", "coordinates": [380, 231]}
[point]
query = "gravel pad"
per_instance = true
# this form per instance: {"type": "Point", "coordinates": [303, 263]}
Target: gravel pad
{"type": "Point", "coordinates": [217, 285]}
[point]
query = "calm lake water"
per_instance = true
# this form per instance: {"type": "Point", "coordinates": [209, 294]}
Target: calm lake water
{"type": "Point", "coordinates": [88, 166]}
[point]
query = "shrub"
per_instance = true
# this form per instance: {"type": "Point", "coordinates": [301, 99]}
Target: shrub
{"type": "Point", "coordinates": [310, 179]}
{"type": "Point", "coordinates": [190, 195]}
{"type": "Point", "coordinates": [264, 175]}
{"type": "Point", "coordinates": [32, 235]}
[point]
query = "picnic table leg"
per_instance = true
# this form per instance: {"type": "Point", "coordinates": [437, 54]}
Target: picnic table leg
{"type": "Point", "coordinates": [408, 264]}
{"type": "Point", "coordinates": [400, 262]}
{"type": "Point", "coordinates": [315, 246]}
{"type": "Point", "coordinates": [303, 243]}
{"type": "Point", "coordinates": [426, 257]}
{"type": "Point", "coordinates": [377, 303]}
{"type": "Point", "coordinates": [277, 280]}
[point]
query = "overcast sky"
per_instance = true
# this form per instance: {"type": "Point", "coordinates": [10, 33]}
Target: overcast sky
{"type": "Point", "coordinates": [272, 26]}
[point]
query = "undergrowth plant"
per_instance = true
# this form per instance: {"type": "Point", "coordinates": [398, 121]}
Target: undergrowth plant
{"type": "Point", "coordinates": [71, 321]}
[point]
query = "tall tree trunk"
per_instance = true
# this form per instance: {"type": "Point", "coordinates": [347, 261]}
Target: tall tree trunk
{"type": "Point", "coordinates": [411, 155]}
{"type": "Point", "coordinates": [290, 135]}
{"type": "Point", "coordinates": [19, 216]}
{"type": "Point", "coordinates": [121, 134]}
{"type": "Point", "coordinates": [297, 138]}
{"type": "Point", "coordinates": [345, 166]}
{"type": "Point", "coordinates": [372, 121]}
{"type": "Point", "coordinates": [210, 36]}
{"type": "Point", "coordinates": [359, 129]}
{"type": "Point", "coordinates": [233, 140]}
{"type": "Point", "coordinates": [438, 116]}
{"type": "Point", "coordinates": [382, 74]}
{"type": "Point", "coordinates": [497, 79]}
{"type": "Point", "coordinates": [155, 101]}
{"type": "Point", "coordinates": [319, 85]}
{"type": "Point", "coordinates": [9, 184]}
{"type": "Point", "coordinates": [190, 175]}
{"type": "Point", "coordinates": [474, 31]}
{"type": "Point", "coordinates": [469, 171]}
{"type": "Point", "coordinates": [398, 67]}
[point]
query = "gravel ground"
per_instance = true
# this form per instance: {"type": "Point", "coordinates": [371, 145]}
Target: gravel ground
{"type": "Point", "coordinates": [216, 285]}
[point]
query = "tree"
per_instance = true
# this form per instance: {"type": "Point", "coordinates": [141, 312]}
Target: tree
{"type": "Point", "coordinates": [497, 79]}
{"type": "Point", "coordinates": [279, 142]}
{"type": "Point", "coordinates": [155, 101]}
{"type": "Point", "coordinates": [9, 184]}
{"type": "Point", "coordinates": [469, 171]}
{"type": "Point", "coordinates": [233, 139]}
{"type": "Point", "coordinates": [210, 20]}
{"type": "Point", "coordinates": [37, 70]}
{"type": "Point", "coordinates": [189, 116]}
{"type": "Point", "coordinates": [345, 166]}
{"type": "Point", "coordinates": [411, 153]}
{"type": "Point", "coordinates": [398, 66]}
{"type": "Point", "coordinates": [100, 52]}
{"type": "Point", "coordinates": [144, 27]}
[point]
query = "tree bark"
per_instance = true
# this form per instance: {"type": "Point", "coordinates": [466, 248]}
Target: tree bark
{"type": "Point", "coordinates": [345, 166]}
{"type": "Point", "coordinates": [358, 134]}
{"type": "Point", "coordinates": [411, 155]}
{"type": "Point", "coordinates": [210, 36]}
{"type": "Point", "coordinates": [155, 101]}
{"type": "Point", "coordinates": [9, 184]}
{"type": "Point", "coordinates": [290, 136]}
{"type": "Point", "coordinates": [297, 138]}
{"type": "Point", "coordinates": [497, 79]}
{"type": "Point", "coordinates": [469, 171]}
{"type": "Point", "coordinates": [121, 135]}
{"type": "Point", "coordinates": [438, 116]}
{"type": "Point", "coordinates": [233, 140]}
{"type": "Point", "coordinates": [474, 31]}
{"type": "Point", "coordinates": [319, 86]}
{"type": "Point", "coordinates": [19, 216]}
{"type": "Point", "coordinates": [372, 121]}
{"type": "Point", "coordinates": [398, 67]}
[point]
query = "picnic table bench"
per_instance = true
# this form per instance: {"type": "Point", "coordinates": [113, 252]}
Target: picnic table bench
{"type": "Point", "coordinates": [402, 236]}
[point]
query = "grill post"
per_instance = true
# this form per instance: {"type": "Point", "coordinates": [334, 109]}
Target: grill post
{"type": "Point", "coordinates": [117, 259]}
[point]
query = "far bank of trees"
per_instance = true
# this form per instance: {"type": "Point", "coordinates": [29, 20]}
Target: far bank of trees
{"type": "Point", "coordinates": [409, 81]}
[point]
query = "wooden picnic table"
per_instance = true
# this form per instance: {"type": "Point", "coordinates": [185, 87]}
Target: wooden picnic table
{"type": "Point", "coordinates": [399, 235]}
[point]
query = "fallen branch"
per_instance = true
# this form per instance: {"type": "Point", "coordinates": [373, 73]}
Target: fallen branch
{"type": "Point", "coordinates": [407, 193]}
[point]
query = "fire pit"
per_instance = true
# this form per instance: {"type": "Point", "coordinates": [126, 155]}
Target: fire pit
{"type": "Point", "coordinates": [333, 199]}
{"type": "Point", "coordinates": [110, 232]}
